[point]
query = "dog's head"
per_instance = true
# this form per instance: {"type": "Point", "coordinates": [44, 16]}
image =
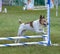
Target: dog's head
{"type": "Point", "coordinates": [43, 21]}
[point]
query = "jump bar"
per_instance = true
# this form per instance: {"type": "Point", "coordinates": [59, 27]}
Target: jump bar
{"type": "Point", "coordinates": [22, 37]}
{"type": "Point", "coordinates": [24, 43]}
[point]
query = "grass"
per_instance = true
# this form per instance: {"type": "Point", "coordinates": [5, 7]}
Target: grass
{"type": "Point", "coordinates": [9, 27]}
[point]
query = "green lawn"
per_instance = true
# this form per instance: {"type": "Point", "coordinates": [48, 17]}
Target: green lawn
{"type": "Point", "coordinates": [9, 27]}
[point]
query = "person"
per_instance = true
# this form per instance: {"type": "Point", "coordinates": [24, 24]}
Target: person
{"type": "Point", "coordinates": [29, 5]}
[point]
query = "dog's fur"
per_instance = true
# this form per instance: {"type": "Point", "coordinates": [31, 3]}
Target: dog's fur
{"type": "Point", "coordinates": [33, 26]}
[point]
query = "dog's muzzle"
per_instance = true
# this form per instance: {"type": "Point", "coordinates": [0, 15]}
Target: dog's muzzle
{"type": "Point", "coordinates": [45, 24]}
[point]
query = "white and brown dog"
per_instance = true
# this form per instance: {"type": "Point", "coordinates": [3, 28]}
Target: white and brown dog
{"type": "Point", "coordinates": [35, 26]}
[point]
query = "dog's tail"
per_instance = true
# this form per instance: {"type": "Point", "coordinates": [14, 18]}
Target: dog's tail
{"type": "Point", "coordinates": [20, 21]}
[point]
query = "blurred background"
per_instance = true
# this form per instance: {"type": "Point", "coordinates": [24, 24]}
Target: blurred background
{"type": "Point", "coordinates": [21, 2]}
{"type": "Point", "coordinates": [28, 4]}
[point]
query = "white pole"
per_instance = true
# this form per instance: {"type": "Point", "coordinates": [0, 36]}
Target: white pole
{"type": "Point", "coordinates": [0, 5]}
{"type": "Point", "coordinates": [48, 19]}
{"type": "Point", "coordinates": [56, 7]}
{"type": "Point", "coordinates": [45, 2]}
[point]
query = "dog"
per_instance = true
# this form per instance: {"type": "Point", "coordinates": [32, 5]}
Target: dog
{"type": "Point", "coordinates": [35, 26]}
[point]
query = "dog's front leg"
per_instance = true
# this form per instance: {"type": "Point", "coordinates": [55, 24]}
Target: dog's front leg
{"type": "Point", "coordinates": [18, 35]}
{"type": "Point", "coordinates": [40, 31]}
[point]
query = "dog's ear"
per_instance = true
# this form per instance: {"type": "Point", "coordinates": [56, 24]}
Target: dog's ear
{"type": "Point", "coordinates": [43, 16]}
{"type": "Point", "coordinates": [40, 16]}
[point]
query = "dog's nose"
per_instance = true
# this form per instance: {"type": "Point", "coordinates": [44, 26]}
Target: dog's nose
{"type": "Point", "coordinates": [47, 23]}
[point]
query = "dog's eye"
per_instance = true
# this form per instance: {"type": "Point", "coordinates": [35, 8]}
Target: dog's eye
{"type": "Point", "coordinates": [44, 21]}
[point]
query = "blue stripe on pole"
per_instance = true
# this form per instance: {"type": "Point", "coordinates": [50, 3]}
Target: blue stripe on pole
{"type": "Point", "coordinates": [10, 38]}
{"type": "Point", "coordinates": [6, 45]}
{"type": "Point", "coordinates": [48, 2]}
{"type": "Point", "coordinates": [26, 37]}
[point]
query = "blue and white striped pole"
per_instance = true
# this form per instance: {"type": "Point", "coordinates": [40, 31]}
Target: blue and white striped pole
{"type": "Point", "coordinates": [22, 37]}
{"type": "Point", "coordinates": [48, 19]}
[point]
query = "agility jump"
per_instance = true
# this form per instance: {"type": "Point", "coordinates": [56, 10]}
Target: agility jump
{"type": "Point", "coordinates": [45, 42]}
